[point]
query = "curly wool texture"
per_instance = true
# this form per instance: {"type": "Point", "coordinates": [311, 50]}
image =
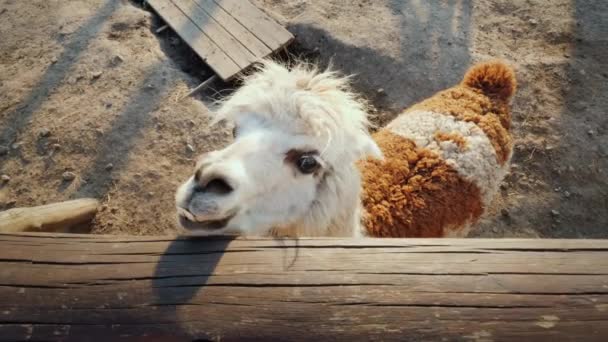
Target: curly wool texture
{"type": "Point", "coordinates": [413, 192]}
{"type": "Point", "coordinates": [493, 79]}
{"type": "Point", "coordinates": [440, 186]}
{"type": "Point", "coordinates": [454, 137]}
{"type": "Point", "coordinates": [482, 98]}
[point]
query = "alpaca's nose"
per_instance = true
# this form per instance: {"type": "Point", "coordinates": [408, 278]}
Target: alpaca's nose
{"type": "Point", "coordinates": [216, 185]}
{"type": "Point", "coordinates": [217, 176]}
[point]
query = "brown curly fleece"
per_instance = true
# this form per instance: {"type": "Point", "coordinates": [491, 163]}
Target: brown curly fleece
{"type": "Point", "coordinates": [413, 192]}
{"type": "Point", "coordinates": [454, 137]}
{"type": "Point", "coordinates": [482, 98]}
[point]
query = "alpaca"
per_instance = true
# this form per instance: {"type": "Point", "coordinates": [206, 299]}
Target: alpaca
{"type": "Point", "coordinates": [303, 162]}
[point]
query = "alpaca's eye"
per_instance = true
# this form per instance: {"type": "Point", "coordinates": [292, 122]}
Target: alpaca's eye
{"type": "Point", "coordinates": [307, 164]}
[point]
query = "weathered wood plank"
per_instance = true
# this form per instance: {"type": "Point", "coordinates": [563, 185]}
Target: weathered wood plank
{"type": "Point", "coordinates": [240, 32]}
{"type": "Point", "coordinates": [85, 287]}
{"type": "Point", "coordinates": [208, 50]}
{"type": "Point", "coordinates": [257, 22]}
{"type": "Point", "coordinates": [222, 38]}
{"type": "Point", "coordinates": [229, 36]}
{"type": "Point", "coordinates": [59, 216]}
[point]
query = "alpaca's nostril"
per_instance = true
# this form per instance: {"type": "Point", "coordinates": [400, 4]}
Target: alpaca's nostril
{"type": "Point", "coordinates": [216, 186]}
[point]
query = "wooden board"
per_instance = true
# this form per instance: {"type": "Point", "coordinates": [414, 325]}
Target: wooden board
{"type": "Point", "coordinates": [228, 35]}
{"type": "Point", "coordinates": [108, 288]}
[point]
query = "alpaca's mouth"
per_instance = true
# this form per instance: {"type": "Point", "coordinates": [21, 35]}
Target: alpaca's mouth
{"type": "Point", "coordinates": [187, 221]}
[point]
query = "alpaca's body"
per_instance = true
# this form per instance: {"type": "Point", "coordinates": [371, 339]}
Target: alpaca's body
{"type": "Point", "coordinates": [295, 167]}
{"type": "Point", "coordinates": [444, 159]}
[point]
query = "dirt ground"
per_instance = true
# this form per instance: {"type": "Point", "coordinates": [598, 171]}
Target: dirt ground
{"type": "Point", "coordinates": [88, 91]}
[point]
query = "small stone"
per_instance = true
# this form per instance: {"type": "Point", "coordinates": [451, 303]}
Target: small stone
{"type": "Point", "coordinates": [56, 147]}
{"type": "Point", "coordinates": [54, 60]}
{"type": "Point", "coordinates": [191, 122]}
{"type": "Point", "coordinates": [109, 167]}
{"type": "Point", "coordinates": [5, 178]}
{"type": "Point", "coordinates": [45, 132]}
{"type": "Point", "coordinates": [503, 186]}
{"type": "Point", "coordinates": [554, 213]}
{"type": "Point", "coordinates": [96, 74]}
{"type": "Point", "coordinates": [567, 194]}
{"type": "Point", "coordinates": [151, 194]}
{"type": "Point", "coordinates": [16, 146]}
{"type": "Point", "coordinates": [380, 90]}
{"type": "Point", "coordinates": [11, 203]}
{"type": "Point", "coordinates": [571, 168]}
{"type": "Point", "coordinates": [68, 176]}
{"type": "Point", "coordinates": [99, 131]}
{"type": "Point", "coordinates": [590, 132]}
{"type": "Point", "coordinates": [533, 22]}
{"type": "Point", "coordinates": [189, 148]}
{"type": "Point", "coordinates": [505, 213]}
{"type": "Point", "coordinates": [3, 150]}
{"type": "Point", "coordinates": [116, 60]}
{"type": "Point", "coordinates": [108, 105]}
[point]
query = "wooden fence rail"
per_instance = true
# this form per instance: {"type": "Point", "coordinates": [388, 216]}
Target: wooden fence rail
{"type": "Point", "coordinates": [89, 288]}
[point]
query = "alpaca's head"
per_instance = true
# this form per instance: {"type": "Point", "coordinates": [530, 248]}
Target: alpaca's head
{"type": "Point", "coordinates": [297, 136]}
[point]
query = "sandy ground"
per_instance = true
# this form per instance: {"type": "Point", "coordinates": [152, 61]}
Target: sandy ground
{"type": "Point", "coordinates": [88, 91]}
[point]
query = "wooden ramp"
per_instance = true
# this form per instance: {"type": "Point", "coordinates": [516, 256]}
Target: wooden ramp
{"type": "Point", "coordinates": [229, 35]}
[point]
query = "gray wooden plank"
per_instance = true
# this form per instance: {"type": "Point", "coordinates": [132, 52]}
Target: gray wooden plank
{"type": "Point", "coordinates": [261, 25]}
{"type": "Point", "coordinates": [223, 39]}
{"type": "Point", "coordinates": [236, 29]}
{"type": "Point", "coordinates": [219, 61]}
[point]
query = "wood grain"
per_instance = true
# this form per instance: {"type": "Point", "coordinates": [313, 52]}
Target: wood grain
{"type": "Point", "coordinates": [230, 36]}
{"type": "Point", "coordinates": [211, 28]}
{"type": "Point", "coordinates": [257, 22]}
{"type": "Point", "coordinates": [240, 32]}
{"type": "Point", "coordinates": [59, 216]}
{"type": "Point", "coordinates": [204, 46]}
{"type": "Point", "coordinates": [86, 287]}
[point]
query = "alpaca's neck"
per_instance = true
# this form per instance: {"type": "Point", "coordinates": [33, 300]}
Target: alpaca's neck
{"type": "Point", "coordinates": [336, 209]}
{"type": "Point", "coordinates": [345, 196]}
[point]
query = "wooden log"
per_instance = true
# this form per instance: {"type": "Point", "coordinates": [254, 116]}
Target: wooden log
{"type": "Point", "coordinates": [50, 217]}
{"type": "Point", "coordinates": [107, 288]}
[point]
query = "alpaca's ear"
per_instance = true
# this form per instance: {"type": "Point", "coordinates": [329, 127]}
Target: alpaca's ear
{"type": "Point", "coordinates": [367, 147]}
